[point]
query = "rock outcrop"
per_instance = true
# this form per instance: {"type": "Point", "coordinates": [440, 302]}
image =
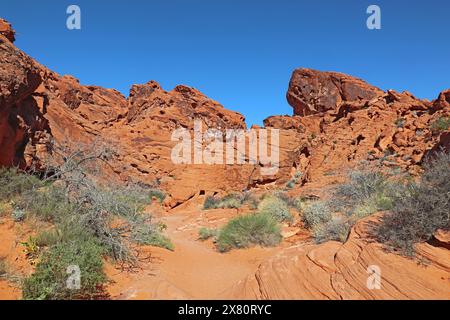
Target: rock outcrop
{"type": "Point", "coordinates": [19, 117]}
{"type": "Point", "coordinates": [341, 121]}
{"type": "Point", "coordinates": [312, 91]}
{"type": "Point", "coordinates": [6, 30]}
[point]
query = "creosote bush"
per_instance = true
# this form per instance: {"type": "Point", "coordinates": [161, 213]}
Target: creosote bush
{"type": "Point", "coordinates": [419, 209]}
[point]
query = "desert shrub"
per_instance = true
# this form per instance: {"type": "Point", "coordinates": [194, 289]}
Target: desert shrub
{"type": "Point", "coordinates": [362, 186]}
{"type": "Point", "coordinates": [440, 124]}
{"type": "Point", "coordinates": [18, 214]}
{"type": "Point", "coordinates": [290, 184]}
{"type": "Point", "coordinates": [210, 202]}
{"type": "Point", "coordinates": [13, 183]}
{"type": "Point", "coordinates": [48, 238]}
{"type": "Point", "coordinates": [336, 228]}
{"type": "Point", "coordinates": [82, 211]}
{"type": "Point", "coordinates": [419, 208]}
{"type": "Point", "coordinates": [144, 232]}
{"type": "Point", "coordinates": [294, 180]}
{"type": "Point", "coordinates": [49, 279]}
{"type": "Point", "coordinates": [49, 204]}
{"type": "Point", "coordinates": [206, 233]}
{"type": "Point", "coordinates": [232, 200]}
{"type": "Point", "coordinates": [248, 230]}
{"type": "Point", "coordinates": [316, 213]}
{"type": "Point", "coordinates": [4, 208]}
{"type": "Point", "coordinates": [400, 122]}
{"type": "Point", "coordinates": [290, 201]}
{"type": "Point", "coordinates": [276, 208]}
{"type": "Point", "coordinates": [366, 192]}
{"type": "Point", "coordinates": [158, 194]}
{"type": "Point", "coordinates": [3, 268]}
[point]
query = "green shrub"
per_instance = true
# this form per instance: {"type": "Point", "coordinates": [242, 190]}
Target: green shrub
{"type": "Point", "coordinates": [441, 124]}
{"type": "Point", "coordinates": [400, 122]}
{"type": "Point", "coordinates": [3, 209]}
{"type": "Point", "coordinates": [362, 187]}
{"type": "Point", "coordinates": [366, 192]}
{"type": "Point", "coordinates": [210, 203]}
{"type": "Point", "coordinates": [18, 215]}
{"type": "Point", "coordinates": [146, 233]}
{"type": "Point", "coordinates": [419, 208]}
{"type": "Point", "coordinates": [334, 229]}
{"type": "Point", "coordinates": [13, 183]}
{"type": "Point", "coordinates": [49, 204]}
{"type": "Point", "coordinates": [248, 230]}
{"type": "Point", "coordinates": [276, 208]}
{"type": "Point", "coordinates": [206, 233]}
{"type": "Point", "coordinates": [49, 281]}
{"type": "Point", "coordinates": [290, 184]}
{"type": "Point", "coordinates": [158, 194]}
{"type": "Point", "coordinates": [229, 201]}
{"type": "Point", "coordinates": [294, 180]}
{"type": "Point", "coordinates": [3, 268]}
{"type": "Point", "coordinates": [287, 199]}
{"type": "Point", "coordinates": [316, 213]}
{"type": "Point", "coordinates": [48, 238]}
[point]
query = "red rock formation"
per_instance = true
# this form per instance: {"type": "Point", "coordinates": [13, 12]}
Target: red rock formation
{"type": "Point", "coordinates": [346, 121]}
{"type": "Point", "coordinates": [312, 91]}
{"type": "Point", "coordinates": [339, 121]}
{"type": "Point", "coordinates": [6, 30]}
{"type": "Point", "coordinates": [19, 117]}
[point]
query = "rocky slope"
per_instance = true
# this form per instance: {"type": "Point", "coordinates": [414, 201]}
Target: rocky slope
{"type": "Point", "coordinates": [341, 121]}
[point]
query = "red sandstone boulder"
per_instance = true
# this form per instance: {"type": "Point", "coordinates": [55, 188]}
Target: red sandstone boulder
{"type": "Point", "coordinates": [312, 91]}
{"type": "Point", "coordinates": [6, 30]}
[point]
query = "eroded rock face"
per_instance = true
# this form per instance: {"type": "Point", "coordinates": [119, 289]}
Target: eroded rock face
{"type": "Point", "coordinates": [312, 91]}
{"type": "Point", "coordinates": [340, 271]}
{"type": "Point", "coordinates": [338, 121]}
{"type": "Point", "coordinates": [39, 108]}
{"type": "Point", "coordinates": [19, 117]}
{"type": "Point", "coordinates": [342, 121]}
{"type": "Point", "coordinates": [6, 30]}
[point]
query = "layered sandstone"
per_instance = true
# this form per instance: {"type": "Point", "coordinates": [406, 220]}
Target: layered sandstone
{"type": "Point", "coordinates": [343, 271]}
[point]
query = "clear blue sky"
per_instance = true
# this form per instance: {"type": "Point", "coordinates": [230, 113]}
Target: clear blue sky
{"type": "Point", "coordinates": [238, 52]}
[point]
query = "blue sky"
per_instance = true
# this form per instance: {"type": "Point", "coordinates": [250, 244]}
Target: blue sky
{"type": "Point", "coordinates": [238, 52]}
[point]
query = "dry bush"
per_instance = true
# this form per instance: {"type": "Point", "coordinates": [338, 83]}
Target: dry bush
{"type": "Point", "coordinates": [419, 208]}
